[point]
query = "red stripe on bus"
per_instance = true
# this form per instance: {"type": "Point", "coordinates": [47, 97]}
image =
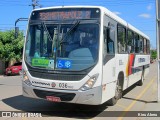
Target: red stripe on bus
{"type": "Point", "coordinates": [131, 62]}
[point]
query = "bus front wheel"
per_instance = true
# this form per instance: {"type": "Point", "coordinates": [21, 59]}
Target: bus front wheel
{"type": "Point", "coordinates": [118, 95]}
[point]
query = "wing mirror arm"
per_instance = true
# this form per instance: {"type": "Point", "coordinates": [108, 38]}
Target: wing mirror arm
{"type": "Point", "coordinates": [17, 28]}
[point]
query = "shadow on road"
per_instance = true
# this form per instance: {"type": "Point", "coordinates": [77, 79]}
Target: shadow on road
{"type": "Point", "coordinates": [129, 89]}
{"type": "Point", "coordinates": [140, 100]}
{"type": "Point", "coordinates": [54, 109]}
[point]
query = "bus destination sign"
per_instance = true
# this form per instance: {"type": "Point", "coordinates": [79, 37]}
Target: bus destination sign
{"type": "Point", "coordinates": [65, 14]}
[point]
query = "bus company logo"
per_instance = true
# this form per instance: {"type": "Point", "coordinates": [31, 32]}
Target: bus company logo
{"type": "Point", "coordinates": [41, 83]}
{"type": "Point", "coordinates": [140, 60]}
{"type": "Point", "coordinates": [53, 84]}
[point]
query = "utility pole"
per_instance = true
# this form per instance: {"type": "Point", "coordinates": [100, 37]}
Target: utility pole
{"type": "Point", "coordinates": [35, 3]}
{"type": "Point", "coordinates": [158, 43]}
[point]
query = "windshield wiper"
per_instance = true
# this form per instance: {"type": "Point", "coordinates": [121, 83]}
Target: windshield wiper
{"type": "Point", "coordinates": [45, 29]}
{"type": "Point", "coordinates": [69, 31]}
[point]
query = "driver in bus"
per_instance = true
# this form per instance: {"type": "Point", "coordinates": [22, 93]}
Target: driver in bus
{"type": "Point", "coordinates": [91, 43]}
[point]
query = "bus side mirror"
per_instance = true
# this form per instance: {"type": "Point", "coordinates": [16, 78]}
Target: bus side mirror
{"type": "Point", "coordinates": [16, 32]}
{"type": "Point", "coordinates": [110, 33]}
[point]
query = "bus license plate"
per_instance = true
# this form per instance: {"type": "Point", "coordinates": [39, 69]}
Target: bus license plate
{"type": "Point", "coordinates": [53, 98]}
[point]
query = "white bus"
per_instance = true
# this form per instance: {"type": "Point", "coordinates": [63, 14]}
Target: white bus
{"type": "Point", "coordinates": [82, 55]}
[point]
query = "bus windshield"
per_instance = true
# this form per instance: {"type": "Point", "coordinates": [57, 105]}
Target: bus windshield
{"type": "Point", "coordinates": [68, 46]}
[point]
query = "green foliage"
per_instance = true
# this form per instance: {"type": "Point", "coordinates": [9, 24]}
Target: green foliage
{"type": "Point", "coordinates": [10, 48]}
{"type": "Point", "coordinates": [153, 54]}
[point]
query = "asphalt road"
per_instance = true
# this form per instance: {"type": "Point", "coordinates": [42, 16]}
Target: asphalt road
{"type": "Point", "coordinates": [136, 98]}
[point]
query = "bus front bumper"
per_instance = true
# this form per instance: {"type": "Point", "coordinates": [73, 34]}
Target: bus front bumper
{"type": "Point", "coordinates": [91, 97]}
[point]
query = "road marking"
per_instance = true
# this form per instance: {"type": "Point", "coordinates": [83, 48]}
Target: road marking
{"type": "Point", "coordinates": [139, 96]}
{"type": "Point", "coordinates": [132, 94]}
{"type": "Point", "coordinates": [122, 106]}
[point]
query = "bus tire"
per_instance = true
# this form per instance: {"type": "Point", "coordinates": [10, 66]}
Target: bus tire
{"type": "Point", "coordinates": [118, 94]}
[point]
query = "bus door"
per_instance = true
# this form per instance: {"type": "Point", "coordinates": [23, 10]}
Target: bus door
{"type": "Point", "coordinates": [109, 66]}
{"type": "Point", "coordinates": [109, 54]}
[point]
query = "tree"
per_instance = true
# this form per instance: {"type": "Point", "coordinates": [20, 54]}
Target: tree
{"type": "Point", "coordinates": [153, 54]}
{"type": "Point", "coordinates": [10, 48]}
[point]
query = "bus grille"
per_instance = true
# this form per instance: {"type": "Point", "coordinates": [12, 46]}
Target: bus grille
{"type": "Point", "coordinates": [53, 76]}
{"type": "Point", "coordinates": [62, 96]}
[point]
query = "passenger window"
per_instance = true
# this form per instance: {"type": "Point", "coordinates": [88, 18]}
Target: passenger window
{"type": "Point", "coordinates": [109, 37]}
{"type": "Point", "coordinates": [145, 46]}
{"type": "Point", "coordinates": [121, 38]}
{"type": "Point", "coordinates": [105, 42]}
{"type": "Point", "coordinates": [137, 43]}
{"type": "Point", "coordinates": [130, 45]}
{"type": "Point", "coordinates": [141, 45]}
{"type": "Point", "coordinates": [148, 47]}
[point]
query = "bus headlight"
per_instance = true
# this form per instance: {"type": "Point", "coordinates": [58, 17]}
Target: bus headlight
{"type": "Point", "coordinates": [89, 84]}
{"type": "Point", "coordinates": [25, 78]}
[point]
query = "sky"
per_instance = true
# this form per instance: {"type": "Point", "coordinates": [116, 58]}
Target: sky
{"type": "Point", "coordinates": [139, 13]}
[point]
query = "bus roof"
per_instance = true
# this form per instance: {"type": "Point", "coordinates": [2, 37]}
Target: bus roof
{"type": "Point", "coordinates": [105, 11]}
{"type": "Point", "coordinates": [123, 22]}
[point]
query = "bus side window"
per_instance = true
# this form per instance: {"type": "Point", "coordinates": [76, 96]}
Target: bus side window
{"type": "Point", "coordinates": [109, 37]}
{"type": "Point", "coordinates": [121, 39]}
{"type": "Point", "coordinates": [148, 47]}
{"type": "Point", "coordinates": [110, 41]}
{"type": "Point", "coordinates": [105, 42]}
{"type": "Point", "coordinates": [141, 45]}
{"type": "Point", "coordinates": [137, 43]}
{"type": "Point", "coordinates": [130, 44]}
{"type": "Point", "coordinates": [145, 46]}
